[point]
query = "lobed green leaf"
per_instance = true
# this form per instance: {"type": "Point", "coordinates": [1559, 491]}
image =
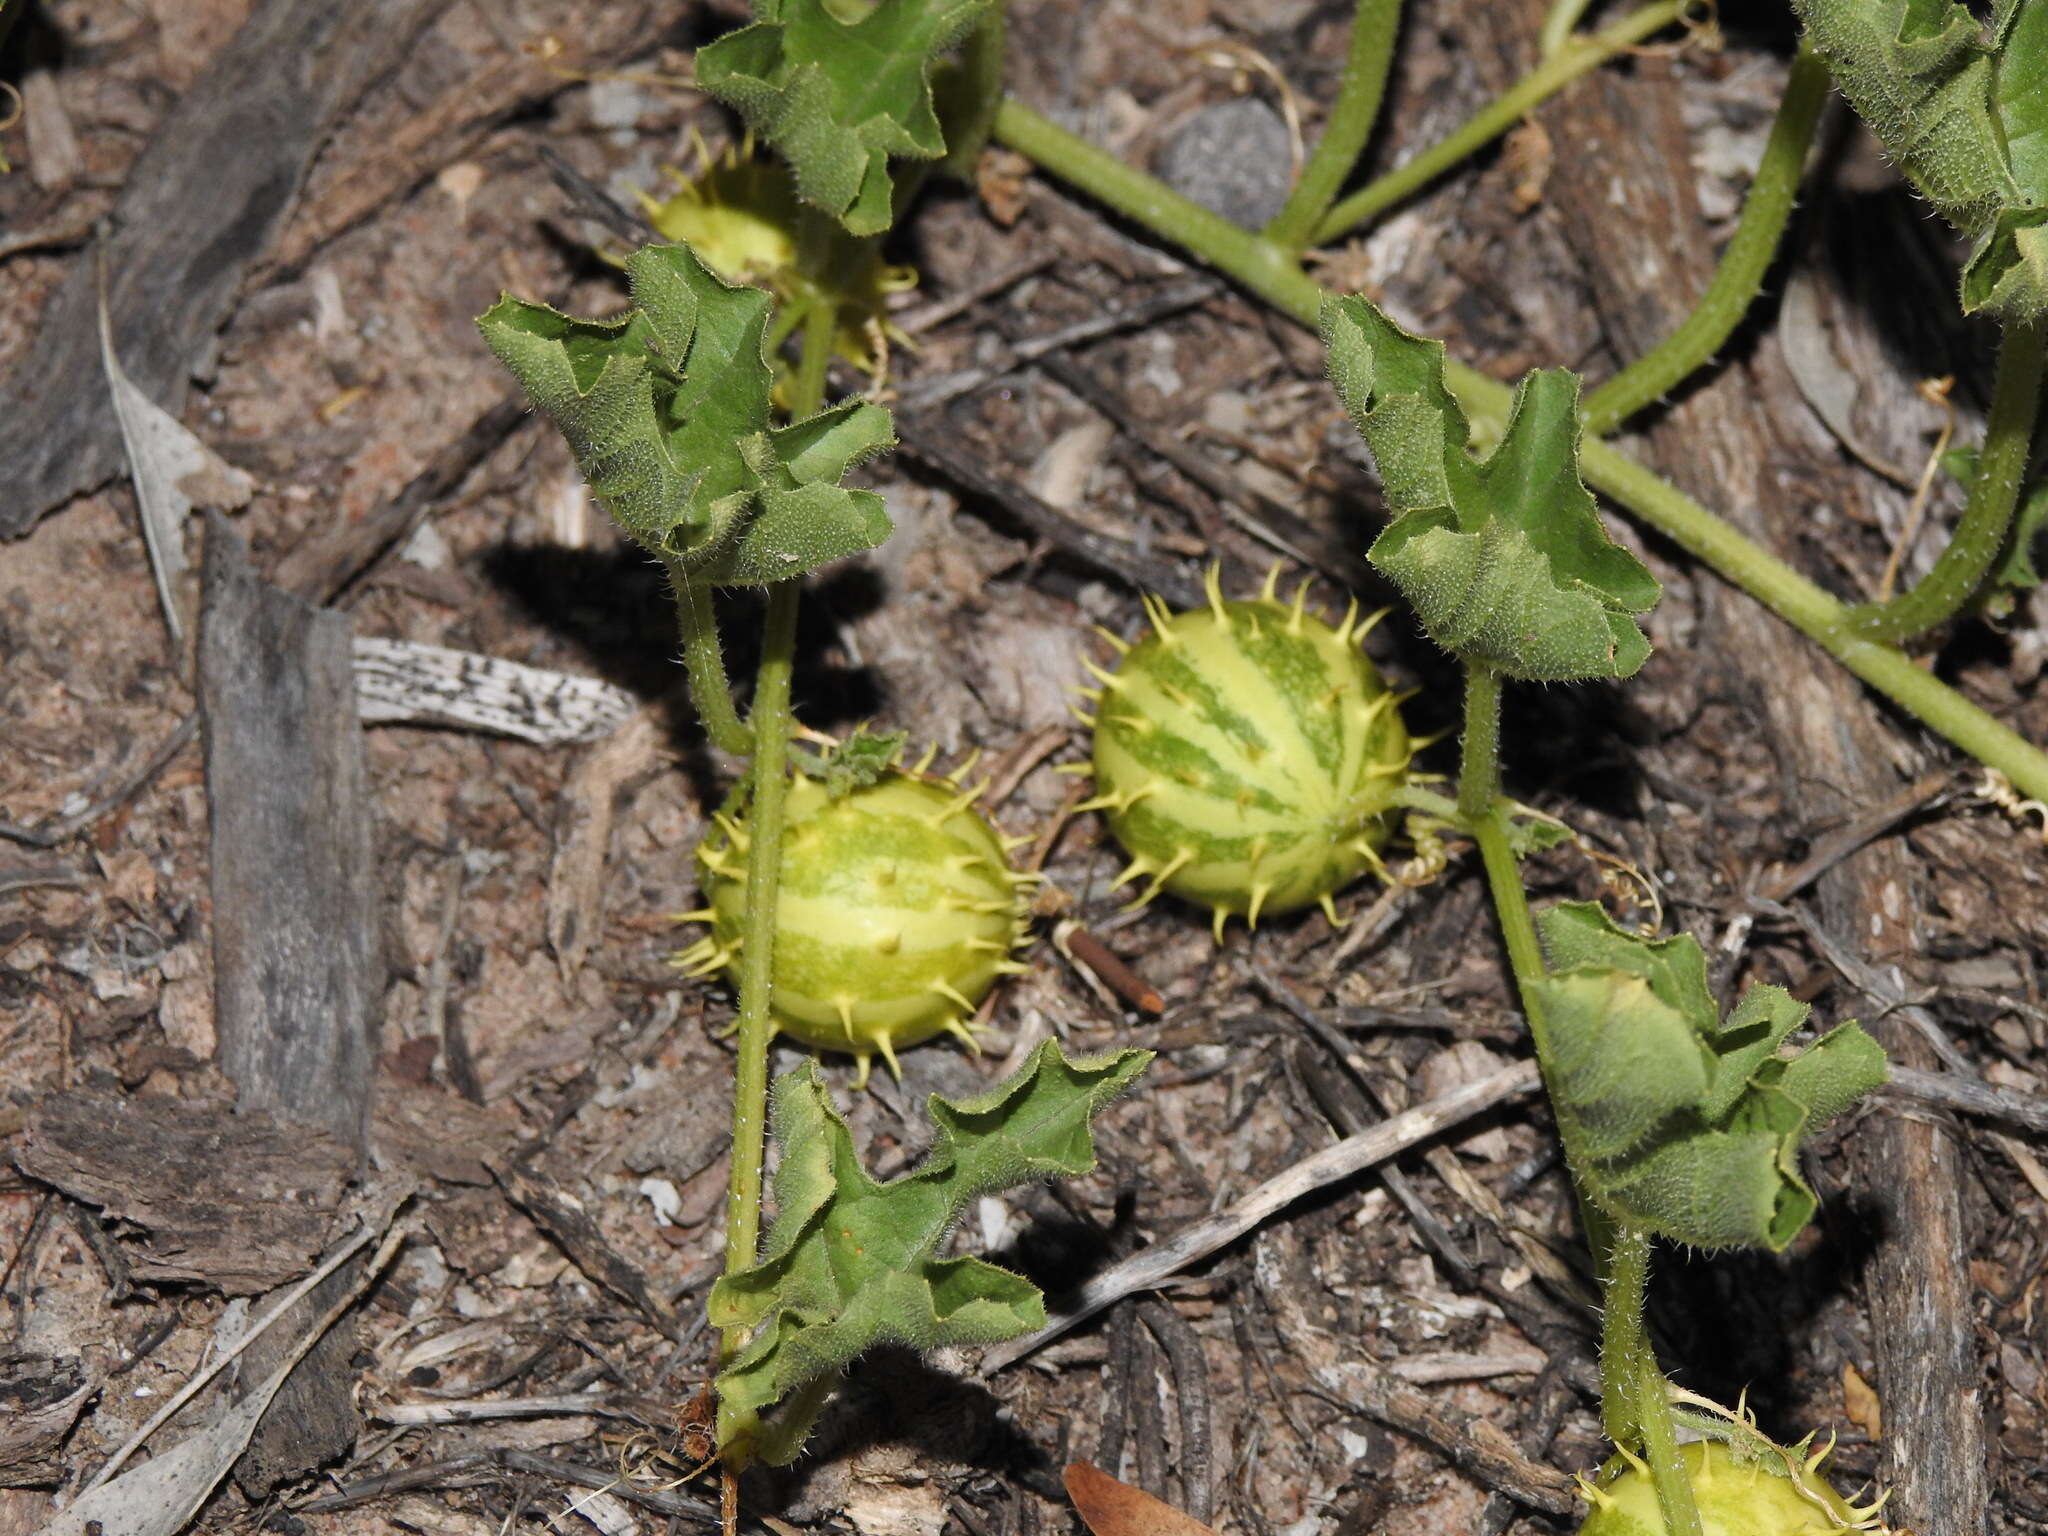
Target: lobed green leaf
{"type": "Point", "coordinates": [1678, 1119]}
{"type": "Point", "coordinates": [1964, 113]}
{"type": "Point", "coordinates": [849, 1263]}
{"type": "Point", "coordinates": [1503, 559]}
{"type": "Point", "coordinates": [838, 89]}
{"type": "Point", "coordinates": [668, 410]}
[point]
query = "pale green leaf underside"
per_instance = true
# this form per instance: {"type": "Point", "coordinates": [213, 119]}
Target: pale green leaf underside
{"type": "Point", "coordinates": [1963, 110]}
{"type": "Point", "coordinates": [668, 412]}
{"type": "Point", "coordinates": [1503, 559]}
{"type": "Point", "coordinates": [1677, 1119]}
{"type": "Point", "coordinates": [849, 1264]}
{"type": "Point", "coordinates": [838, 97]}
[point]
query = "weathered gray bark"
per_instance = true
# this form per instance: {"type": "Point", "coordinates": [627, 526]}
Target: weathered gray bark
{"type": "Point", "coordinates": [297, 971]}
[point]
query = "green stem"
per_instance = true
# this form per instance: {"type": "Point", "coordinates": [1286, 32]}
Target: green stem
{"type": "Point", "coordinates": [1479, 754]}
{"type": "Point", "coordinates": [1558, 24]}
{"type": "Point", "coordinates": [1813, 612]}
{"type": "Point", "coordinates": [1574, 59]}
{"type": "Point", "coordinates": [1632, 1388]}
{"type": "Point", "coordinates": [1266, 270]}
{"type": "Point", "coordinates": [771, 722]}
{"type": "Point", "coordinates": [1517, 923]}
{"type": "Point", "coordinates": [1484, 814]}
{"type": "Point", "coordinates": [1357, 108]}
{"type": "Point", "coordinates": [1987, 515]}
{"type": "Point", "coordinates": [1617, 1378]}
{"type": "Point", "coordinates": [1634, 1405]}
{"type": "Point", "coordinates": [710, 691]}
{"type": "Point", "coordinates": [981, 68]}
{"type": "Point", "coordinates": [1740, 275]}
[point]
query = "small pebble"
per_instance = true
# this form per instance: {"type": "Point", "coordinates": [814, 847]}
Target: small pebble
{"type": "Point", "coordinates": [1232, 158]}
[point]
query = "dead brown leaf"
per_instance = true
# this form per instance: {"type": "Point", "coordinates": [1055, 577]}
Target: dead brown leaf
{"type": "Point", "coordinates": [1860, 1405]}
{"type": "Point", "coordinates": [1109, 1507]}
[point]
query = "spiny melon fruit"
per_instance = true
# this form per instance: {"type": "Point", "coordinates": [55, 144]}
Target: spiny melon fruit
{"type": "Point", "coordinates": [1772, 1492]}
{"type": "Point", "coordinates": [1247, 754]}
{"type": "Point", "coordinates": [897, 912]}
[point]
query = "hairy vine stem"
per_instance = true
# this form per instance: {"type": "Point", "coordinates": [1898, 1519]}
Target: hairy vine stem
{"type": "Point", "coordinates": [770, 721]}
{"type": "Point", "coordinates": [1274, 275]}
{"type": "Point", "coordinates": [1987, 514]}
{"type": "Point", "coordinates": [1739, 277]}
{"type": "Point", "coordinates": [1357, 108]}
{"type": "Point", "coordinates": [1575, 58]}
{"type": "Point", "coordinates": [1632, 1387]}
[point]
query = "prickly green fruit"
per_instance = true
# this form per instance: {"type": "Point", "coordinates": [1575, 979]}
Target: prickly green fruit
{"type": "Point", "coordinates": [898, 910]}
{"type": "Point", "coordinates": [1246, 755]}
{"type": "Point", "coordinates": [1771, 1492]}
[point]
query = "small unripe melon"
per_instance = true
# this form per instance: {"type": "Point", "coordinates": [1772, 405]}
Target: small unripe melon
{"type": "Point", "coordinates": [1246, 756]}
{"type": "Point", "coordinates": [1775, 1494]}
{"type": "Point", "coordinates": [897, 912]}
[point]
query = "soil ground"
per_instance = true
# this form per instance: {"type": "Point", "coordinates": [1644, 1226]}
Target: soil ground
{"type": "Point", "coordinates": [350, 360]}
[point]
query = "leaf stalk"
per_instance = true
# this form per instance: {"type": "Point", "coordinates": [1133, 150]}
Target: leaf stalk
{"type": "Point", "coordinates": [704, 659]}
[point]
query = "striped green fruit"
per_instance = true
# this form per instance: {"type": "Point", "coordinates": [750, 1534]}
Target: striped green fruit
{"type": "Point", "coordinates": [897, 912]}
{"type": "Point", "coordinates": [1247, 755]}
{"type": "Point", "coordinates": [1757, 1492]}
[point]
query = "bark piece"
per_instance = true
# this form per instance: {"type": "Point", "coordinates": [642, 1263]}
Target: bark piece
{"type": "Point", "coordinates": [202, 201]}
{"type": "Point", "coordinates": [297, 976]}
{"type": "Point", "coordinates": [40, 1399]}
{"type": "Point", "coordinates": [297, 972]}
{"type": "Point", "coordinates": [406, 682]}
{"type": "Point", "coordinates": [237, 1201]}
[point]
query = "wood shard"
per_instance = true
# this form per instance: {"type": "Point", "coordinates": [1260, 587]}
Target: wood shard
{"type": "Point", "coordinates": [237, 1201]}
{"type": "Point", "coordinates": [40, 1399]}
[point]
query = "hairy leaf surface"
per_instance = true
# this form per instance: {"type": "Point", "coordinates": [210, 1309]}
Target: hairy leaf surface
{"type": "Point", "coordinates": [850, 1263]}
{"type": "Point", "coordinates": [838, 96]}
{"type": "Point", "coordinates": [1503, 558]}
{"type": "Point", "coordinates": [668, 412]}
{"type": "Point", "coordinates": [1678, 1119]}
{"type": "Point", "coordinates": [1963, 110]}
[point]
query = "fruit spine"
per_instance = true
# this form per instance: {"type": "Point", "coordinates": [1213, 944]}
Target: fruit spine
{"type": "Point", "coordinates": [1247, 754]}
{"type": "Point", "coordinates": [897, 912]}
